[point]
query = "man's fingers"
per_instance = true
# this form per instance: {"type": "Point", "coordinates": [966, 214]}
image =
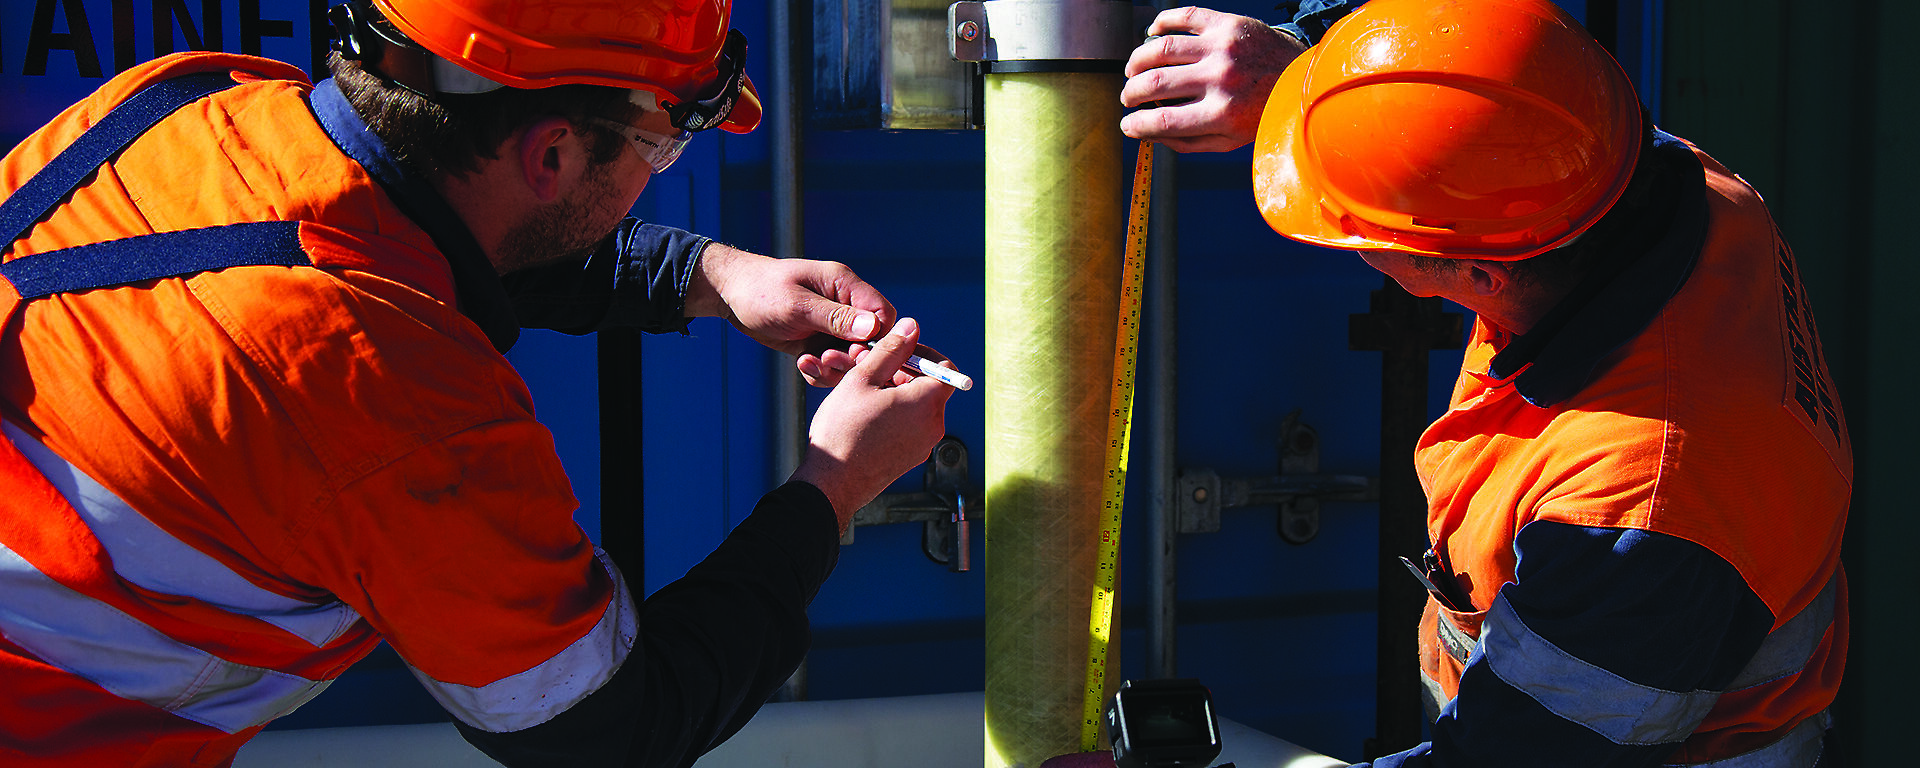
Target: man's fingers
{"type": "Point", "coordinates": [824, 358]}
{"type": "Point", "coordinates": [815, 374]}
{"type": "Point", "coordinates": [1191, 19]}
{"type": "Point", "coordinates": [809, 366]}
{"type": "Point", "coordinates": [826, 369]}
{"type": "Point", "coordinates": [1182, 121]}
{"type": "Point", "coordinates": [1162, 84]}
{"type": "Point", "coordinates": [862, 296]}
{"type": "Point", "coordinates": [887, 354]}
{"type": "Point", "coordinates": [837, 360]}
{"type": "Point", "coordinates": [1183, 49]}
{"type": "Point", "coordinates": [837, 285]}
{"type": "Point", "coordinates": [829, 321]}
{"type": "Point", "coordinates": [1144, 58]}
{"type": "Point", "coordinates": [1169, 51]}
{"type": "Point", "coordinates": [852, 324]}
{"type": "Point", "coordinates": [1165, 125]}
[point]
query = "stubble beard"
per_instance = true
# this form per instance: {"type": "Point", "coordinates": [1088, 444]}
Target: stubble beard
{"type": "Point", "coordinates": [563, 230]}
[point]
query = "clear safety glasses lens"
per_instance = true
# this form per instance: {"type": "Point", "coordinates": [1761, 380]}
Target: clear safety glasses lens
{"type": "Point", "coordinates": [658, 151]}
{"type": "Point", "coordinates": [699, 115]}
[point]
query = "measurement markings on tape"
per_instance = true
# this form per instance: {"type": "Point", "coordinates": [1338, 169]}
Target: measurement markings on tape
{"type": "Point", "coordinates": [1126, 345]}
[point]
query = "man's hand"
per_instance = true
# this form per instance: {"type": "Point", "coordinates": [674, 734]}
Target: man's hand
{"type": "Point", "coordinates": [1216, 68]}
{"type": "Point", "coordinates": [875, 425]}
{"type": "Point", "coordinates": [783, 303]}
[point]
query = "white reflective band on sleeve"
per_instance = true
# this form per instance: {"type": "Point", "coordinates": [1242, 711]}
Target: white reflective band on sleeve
{"type": "Point", "coordinates": [1623, 711]}
{"type": "Point", "coordinates": [1786, 650]}
{"type": "Point", "coordinates": [134, 661]}
{"type": "Point", "coordinates": [149, 557]}
{"type": "Point", "coordinates": [537, 695]}
{"type": "Point", "coordinates": [1436, 698]}
{"type": "Point", "coordinates": [1800, 748]}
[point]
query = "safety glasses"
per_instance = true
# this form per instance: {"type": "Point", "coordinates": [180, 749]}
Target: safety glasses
{"type": "Point", "coordinates": [658, 151]}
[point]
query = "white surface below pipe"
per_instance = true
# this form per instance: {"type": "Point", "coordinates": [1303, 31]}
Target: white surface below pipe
{"type": "Point", "coordinates": [938, 731]}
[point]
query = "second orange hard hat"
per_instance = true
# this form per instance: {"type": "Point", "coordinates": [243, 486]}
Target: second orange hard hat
{"type": "Point", "coordinates": [1493, 129]}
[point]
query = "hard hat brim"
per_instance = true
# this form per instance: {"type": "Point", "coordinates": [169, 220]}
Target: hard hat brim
{"type": "Point", "coordinates": [1293, 204]}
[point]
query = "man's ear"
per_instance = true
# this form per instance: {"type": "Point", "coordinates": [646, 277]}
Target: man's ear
{"type": "Point", "coordinates": [551, 156]}
{"type": "Point", "coordinates": [1489, 278]}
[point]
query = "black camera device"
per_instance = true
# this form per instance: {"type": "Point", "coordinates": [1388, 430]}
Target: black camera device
{"type": "Point", "coordinates": [1163, 724]}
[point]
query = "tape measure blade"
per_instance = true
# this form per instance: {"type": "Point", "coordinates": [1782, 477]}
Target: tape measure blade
{"type": "Point", "coordinates": [1119, 440]}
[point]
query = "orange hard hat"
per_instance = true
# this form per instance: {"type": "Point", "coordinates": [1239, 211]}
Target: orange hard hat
{"type": "Point", "coordinates": [1489, 129]}
{"type": "Point", "coordinates": [680, 50]}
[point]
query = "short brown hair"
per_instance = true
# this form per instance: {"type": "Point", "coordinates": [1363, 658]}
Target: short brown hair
{"type": "Point", "coordinates": [452, 133]}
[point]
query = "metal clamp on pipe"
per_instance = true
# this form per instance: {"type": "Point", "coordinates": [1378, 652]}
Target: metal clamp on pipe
{"type": "Point", "coordinates": [1297, 490]}
{"type": "Point", "coordinates": [942, 508]}
{"type": "Point", "coordinates": [1046, 35]}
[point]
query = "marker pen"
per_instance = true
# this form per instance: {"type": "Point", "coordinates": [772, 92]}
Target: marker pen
{"type": "Point", "coordinates": [945, 375]}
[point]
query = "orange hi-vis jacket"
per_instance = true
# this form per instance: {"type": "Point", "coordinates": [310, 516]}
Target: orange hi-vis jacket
{"type": "Point", "coordinates": [242, 615]}
{"type": "Point", "coordinates": [1713, 437]}
{"type": "Point", "coordinates": [219, 490]}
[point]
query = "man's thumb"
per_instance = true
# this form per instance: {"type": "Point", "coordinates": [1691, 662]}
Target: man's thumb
{"type": "Point", "coordinates": [845, 321]}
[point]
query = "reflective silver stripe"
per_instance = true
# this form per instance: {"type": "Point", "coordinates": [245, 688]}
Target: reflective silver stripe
{"type": "Point", "coordinates": [99, 643]}
{"type": "Point", "coordinates": [1800, 748]}
{"type": "Point", "coordinates": [1436, 698]}
{"type": "Point", "coordinates": [535, 696]}
{"type": "Point", "coordinates": [1454, 639]}
{"type": "Point", "coordinates": [1787, 649]}
{"type": "Point", "coordinates": [1623, 711]}
{"type": "Point", "coordinates": [149, 557]}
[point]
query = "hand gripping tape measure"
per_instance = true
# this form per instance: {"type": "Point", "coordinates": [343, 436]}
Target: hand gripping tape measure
{"type": "Point", "coordinates": [1126, 346]}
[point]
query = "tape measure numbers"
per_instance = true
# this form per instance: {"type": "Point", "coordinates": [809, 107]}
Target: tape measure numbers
{"type": "Point", "coordinates": [1126, 344]}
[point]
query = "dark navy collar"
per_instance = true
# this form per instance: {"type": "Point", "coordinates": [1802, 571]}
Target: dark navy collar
{"type": "Point", "coordinates": [1555, 359]}
{"type": "Point", "coordinates": [480, 295]}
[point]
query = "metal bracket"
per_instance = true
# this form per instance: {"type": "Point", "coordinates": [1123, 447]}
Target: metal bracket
{"type": "Point", "coordinates": [944, 508]}
{"type": "Point", "coordinates": [1297, 490]}
{"type": "Point", "coordinates": [1045, 30]}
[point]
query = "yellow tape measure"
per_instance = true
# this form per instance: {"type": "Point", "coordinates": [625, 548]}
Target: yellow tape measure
{"type": "Point", "coordinates": [1126, 344]}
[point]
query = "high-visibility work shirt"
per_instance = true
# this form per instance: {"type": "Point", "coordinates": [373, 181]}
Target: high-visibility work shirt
{"type": "Point", "coordinates": [223, 489]}
{"type": "Point", "coordinates": [1636, 511]}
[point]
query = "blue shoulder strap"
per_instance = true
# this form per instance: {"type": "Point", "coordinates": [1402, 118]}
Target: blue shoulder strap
{"type": "Point", "coordinates": [141, 258]}
{"type": "Point", "coordinates": [150, 257]}
{"type": "Point", "coordinates": [99, 144]}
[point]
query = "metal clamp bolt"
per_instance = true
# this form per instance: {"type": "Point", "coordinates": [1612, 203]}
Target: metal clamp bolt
{"type": "Point", "coordinates": [1044, 30]}
{"type": "Point", "coordinates": [1297, 490]}
{"type": "Point", "coordinates": [942, 508]}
